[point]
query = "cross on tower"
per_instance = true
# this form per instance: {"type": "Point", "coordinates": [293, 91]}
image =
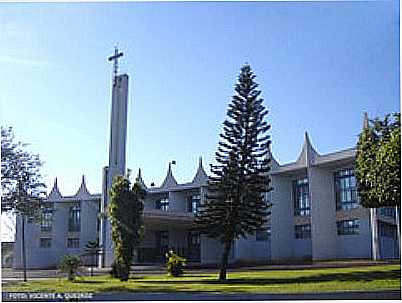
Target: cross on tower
{"type": "Point", "coordinates": [115, 58]}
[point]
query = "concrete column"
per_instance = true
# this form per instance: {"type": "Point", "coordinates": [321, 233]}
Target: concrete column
{"type": "Point", "coordinates": [323, 213]}
{"type": "Point", "coordinates": [282, 230]}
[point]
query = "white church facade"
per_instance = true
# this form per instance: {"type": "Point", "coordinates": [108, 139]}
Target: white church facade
{"type": "Point", "coordinates": [315, 215]}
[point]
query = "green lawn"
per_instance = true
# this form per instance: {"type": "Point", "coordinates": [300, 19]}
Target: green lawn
{"type": "Point", "coordinates": [384, 277]}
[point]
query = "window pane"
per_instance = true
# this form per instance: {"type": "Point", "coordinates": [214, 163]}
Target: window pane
{"type": "Point", "coordinates": [45, 242]}
{"type": "Point", "coordinates": [348, 227]}
{"type": "Point", "coordinates": [301, 197]}
{"type": "Point", "coordinates": [303, 231]}
{"type": "Point", "coordinates": [74, 221]}
{"type": "Point", "coordinates": [346, 194]}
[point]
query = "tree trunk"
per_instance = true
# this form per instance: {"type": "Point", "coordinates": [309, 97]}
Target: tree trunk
{"type": "Point", "coordinates": [374, 234]}
{"type": "Point", "coordinates": [224, 263]}
{"type": "Point", "coordinates": [398, 226]}
{"type": "Point", "coordinates": [24, 260]}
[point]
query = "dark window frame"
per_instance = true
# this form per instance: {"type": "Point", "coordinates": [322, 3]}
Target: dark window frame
{"type": "Point", "coordinates": [387, 230]}
{"type": "Point", "coordinates": [302, 231]}
{"type": "Point", "coordinates": [348, 227]}
{"type": "Point", "coordinates": [73, 242]}
{"type": "Point", "coordinates": [193, 203]}
{"type": "Point", "coordinates": [346, 196]}
{"type": "Point", "coordinates": [387, 211]}
{"type": "Point", "coordinates": [301, 197]}
{"type": "Point", "coordinates": [46, 222]}
{"type": "Point", "coordinates": [48, 242]}
{"type": "Point", "coordinates": [74, 218]}
{"type": "Point", "coordinates": [162, 204]}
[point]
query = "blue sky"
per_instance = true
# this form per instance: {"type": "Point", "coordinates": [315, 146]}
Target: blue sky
{"type": "Point", "coordinates": [320, 65]}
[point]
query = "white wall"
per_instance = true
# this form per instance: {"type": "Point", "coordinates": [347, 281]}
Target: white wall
{"type": "Point", "coordinates": [323, 213]}
{"type": "Point", "coordinates": [282, 230]}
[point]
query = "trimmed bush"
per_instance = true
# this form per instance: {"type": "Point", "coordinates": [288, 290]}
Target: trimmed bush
{"type": "Point", "coordinates": [174, 264]}
{"type": "Point", "coordinates": [69, 264]}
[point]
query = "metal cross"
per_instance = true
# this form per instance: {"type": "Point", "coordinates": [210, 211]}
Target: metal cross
{"type": "Point", "coordinates": [115, 58]}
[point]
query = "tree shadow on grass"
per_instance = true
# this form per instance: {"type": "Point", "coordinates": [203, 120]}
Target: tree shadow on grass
{"type": "Point", "coordinates": [89, 282]}
{"type": "Point", "coordinates": [151, 289]}
{"type": "Point", "coordinates": [342, 277]}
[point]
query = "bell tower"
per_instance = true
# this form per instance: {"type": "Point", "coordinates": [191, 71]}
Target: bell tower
{"type": "Point", "coordinates": [117, 154]}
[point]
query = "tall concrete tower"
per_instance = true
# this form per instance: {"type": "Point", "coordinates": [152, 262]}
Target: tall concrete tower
{"type": "Point", "coordinates": [117, 155]}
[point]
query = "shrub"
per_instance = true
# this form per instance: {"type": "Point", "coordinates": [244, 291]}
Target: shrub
{"type": "Point", "coordinates": [174, 264]}
{"type": "Point", "coordinates": [69, 264]}
{"type": "Point", "coordinates": [119, 271]}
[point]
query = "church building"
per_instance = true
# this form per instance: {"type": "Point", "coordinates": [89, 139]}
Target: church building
{"type": "Point", "coordinates": [316, 214]}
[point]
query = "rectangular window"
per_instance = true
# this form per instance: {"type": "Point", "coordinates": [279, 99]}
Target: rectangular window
{"type": "Point", "coordinates": [301, 199]}
{"type": "Point", "coordinates": [162, 204]}
{"type": "Point", "coordinates": [387, 230]}
{"type": "Point", "coordinates": [45, 242]}
{"type": "Point", "coordinates": [387, 211]}
{"type": "Point", "coordinates": [263, 234]}
{"type": "Point", "coordinates": [348, 227]}
{"type": "Point", "coordinates": [74, 218]}
{"type": "Point", "coordinates": [46, 219]}
{"type": "Point", "coordinates": [303, 231]}
{"type": "Point", "coordinates": [73, 242]}
{"type": "Point", "coordinates": [193, 203]}
{"type": "Point", "coordinates": [345, 189]}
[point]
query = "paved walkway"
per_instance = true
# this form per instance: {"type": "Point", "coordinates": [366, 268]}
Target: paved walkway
{"type": "Point", "coordinates": [380, 295]}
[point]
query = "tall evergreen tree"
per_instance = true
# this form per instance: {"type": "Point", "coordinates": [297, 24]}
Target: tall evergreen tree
{"type": "Point", "coordinates": [125, 213]}
{"type": "Point", "coordinates": [22, 189]}
{"type": "Point", "coordinates": [236, 206]}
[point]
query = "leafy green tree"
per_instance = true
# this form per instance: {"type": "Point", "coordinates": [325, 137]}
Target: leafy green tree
{"type": "Point", "coordinates": [378, 163]}
{"type": "Point", "coordinates": [22, 188]}
{"type": "Point", "coordinates": [236, 206]}
{"type": "Point", "coordinates": [378, 168]}
{"type": "Point", "coordinates": [125, 213]}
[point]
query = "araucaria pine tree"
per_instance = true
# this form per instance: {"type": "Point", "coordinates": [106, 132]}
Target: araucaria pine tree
{"type": "Point", "coordinates": [236, 206]}
{"type": "Point", "coordinates": [125, 213]}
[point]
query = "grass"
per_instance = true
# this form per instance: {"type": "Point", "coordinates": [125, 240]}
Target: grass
{"type": "Point", "coordinates": [369, 278]}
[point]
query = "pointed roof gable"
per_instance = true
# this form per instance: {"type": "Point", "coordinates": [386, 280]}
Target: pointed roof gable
{"type": "Point", "coordinates": [274, 163]}
{"type": "Point", "coordinates": [139, 179]}
{"type": "Point", "coordinates": [308, 153]}
{"type": "Point", "coordinates": [201, 176]}
{"type": "Point", "coordinates": [169, 181]}
{"type": "Point", "coordinates": [55, 192]}
{"type": "Point", "coordinates": [83, 190]}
